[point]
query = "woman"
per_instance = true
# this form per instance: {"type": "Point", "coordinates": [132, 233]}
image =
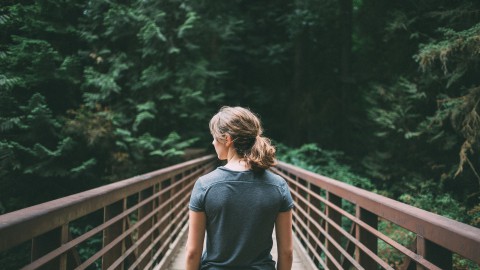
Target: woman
{"type": "Point", "coordinates": [240, 203]}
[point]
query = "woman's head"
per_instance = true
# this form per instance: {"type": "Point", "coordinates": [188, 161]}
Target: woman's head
{"type": "Point", "coordinates": [245, 131]}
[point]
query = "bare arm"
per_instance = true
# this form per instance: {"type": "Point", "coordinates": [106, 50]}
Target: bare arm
{"type": "Point", "coordinates": [196, 235]}
{"type": "Point", "coordinates": [283, 231]}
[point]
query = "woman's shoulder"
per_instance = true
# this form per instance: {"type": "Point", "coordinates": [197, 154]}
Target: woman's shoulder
{"type": "Point", "coordinates": [274, 178]}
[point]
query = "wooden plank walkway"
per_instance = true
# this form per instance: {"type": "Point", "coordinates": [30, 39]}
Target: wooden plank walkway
{"type": "Point", "coordinates": [299, 261]}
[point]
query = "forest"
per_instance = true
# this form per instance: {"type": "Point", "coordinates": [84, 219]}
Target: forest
{"type": "Point", "coordinates": [384, 95]}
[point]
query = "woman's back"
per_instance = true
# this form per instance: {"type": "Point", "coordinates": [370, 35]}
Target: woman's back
{"type": "Point", "coordinates": [241, 208]}
{"type": "Point", "coordinates": [239, 204]}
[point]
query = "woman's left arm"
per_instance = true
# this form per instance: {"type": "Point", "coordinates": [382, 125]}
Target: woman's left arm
{"type": "Point", "coordinates": [196, 235]}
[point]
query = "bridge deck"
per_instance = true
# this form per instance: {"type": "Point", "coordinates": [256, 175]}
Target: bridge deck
{"type": "Point", "coordinates": [299, 263]}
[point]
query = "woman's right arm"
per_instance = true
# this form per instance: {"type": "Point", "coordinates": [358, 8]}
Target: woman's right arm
{"type": "Point", "coordinates": [283, 231]}
{"type": "Point", "coordinates": [196, 235]}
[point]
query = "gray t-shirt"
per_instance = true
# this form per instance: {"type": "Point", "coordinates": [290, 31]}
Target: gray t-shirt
{"type": "Point", "coordinates": [241, 208]}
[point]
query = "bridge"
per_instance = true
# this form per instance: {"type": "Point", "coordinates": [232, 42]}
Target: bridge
{"type": "Point", "coordinates": [141, 222]}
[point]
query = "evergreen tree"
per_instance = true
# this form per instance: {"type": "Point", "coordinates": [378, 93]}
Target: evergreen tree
{"type": "Point", "coordinates": [147, 74]}
{"type": "Point", "coordinates": [97, 91]}
{"type": "Point", "coordinates": [40, 73]}
{"type": "Point", "coordinates": [423, 105]}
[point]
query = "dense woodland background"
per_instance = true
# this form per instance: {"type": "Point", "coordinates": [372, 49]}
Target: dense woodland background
{"type": "Point", "coordinates": [381, 94]}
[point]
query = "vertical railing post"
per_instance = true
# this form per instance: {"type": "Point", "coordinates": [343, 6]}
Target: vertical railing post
{"type": "Point", "coordinates": [181, 186]}
{"type": "Point", "coordinates": [309, 202]}
{"type": "Point", "coordinates": [170, 208]}
{"type": "Point", "coordinates": [112, 232]}
{"type": "Point", "coordinates": [315, 204]}
{"type": "Point", "coordinates": [64, 234]}
{"type": "Point", "coordinates": [45, 243]}
{"type": "Point", "coordinates": [334, 233]}
{"type": "Point", "coordinates": [366, 238]}
{"type": "Point", "coordinates": [163, 212]}
{"type": "Point", "coordinates": [179, 198]}
{"type": "Point", "coordinates": [295, 198]}
{"type": "Point", "coordinates": [434, 253]}
{"type": "Point", "coordinates": [143, 228]}
{"type": "Point", "coordinates": [157, 216]}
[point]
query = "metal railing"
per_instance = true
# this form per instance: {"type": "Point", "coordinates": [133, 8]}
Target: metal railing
{"type": "Point", "coordinates": [337, 237]}
{"type": "Point", "coordinates": [138, 221]}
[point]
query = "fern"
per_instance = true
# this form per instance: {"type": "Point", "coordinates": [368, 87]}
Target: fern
{"type": "Point", "coordinates": [85, 166]}
{"type": "Point", "coordinates": [188, 24]}
{"type": "Point", "coordinates": [9, 83]}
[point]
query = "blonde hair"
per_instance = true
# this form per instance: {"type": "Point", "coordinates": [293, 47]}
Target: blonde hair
{"type": "Point", "coordinates": [246, 131]}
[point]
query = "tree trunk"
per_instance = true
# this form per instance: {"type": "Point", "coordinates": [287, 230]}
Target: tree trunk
{"type": "Point", "coordinates": [346, 10]}
{"type": "Point", "coordinates": [297, 113]}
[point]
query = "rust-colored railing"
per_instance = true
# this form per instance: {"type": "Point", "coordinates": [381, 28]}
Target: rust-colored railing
{"type": "Point", "coordinates": [137, 221]}
{"type": "Point", "coordinates": [337, 237]}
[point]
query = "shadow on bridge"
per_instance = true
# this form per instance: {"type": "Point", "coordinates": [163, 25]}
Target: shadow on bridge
{"type": "Point", "coordinates": [138, 223]}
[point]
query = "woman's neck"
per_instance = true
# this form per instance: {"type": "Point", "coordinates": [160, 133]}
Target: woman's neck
{"type": "Point", "coordinates": [235, 163]}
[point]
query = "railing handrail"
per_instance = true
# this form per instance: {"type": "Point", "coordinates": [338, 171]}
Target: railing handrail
{"type": "Point", "coordinates": [29, 223]}
{"type": "Point", "coordinates": [455, 236]}
{"type": "Point", "coordinates": [24, 224]}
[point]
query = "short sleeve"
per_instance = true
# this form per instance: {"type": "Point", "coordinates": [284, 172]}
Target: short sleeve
{"type": "Point", "coordinates": [287, 201]}
{"type": "Point", "coordinates": [197, 198]}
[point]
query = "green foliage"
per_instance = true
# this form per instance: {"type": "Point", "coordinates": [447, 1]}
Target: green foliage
{"type": "Point", "coordinates": [454, 44]}
{"type": "Point", "coordinates": [324, 162]}
{"type": "Point", "coordinates": [393, 109]}
{"type": "Point", "coordinates": [462, 50]}
{"type": "Point", "coordinates": [442, 204]}
{"type": "Point", "coordinates": [97, 91]}
{"type": "Point", "coordinates": [94, 127]}
{"type": "Point", "coordinates": [474, 215]}
{"type": "Point", "coordinates": [422, 106]}
{"type": "Point", "coordinates": [400, 235]}
{"type": "Point", "coordinates": [146, 111]}
{"type": "Point", "coordinates": [93, 92]}
{"type": "Point", "coordinates": [149, 58]}
{"type": "Point", "coordinates": [91, 246]}
{"type": "Point", "coordinates": [33, 150]}
{"type": "Point", "coordinates": [15, 258]}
